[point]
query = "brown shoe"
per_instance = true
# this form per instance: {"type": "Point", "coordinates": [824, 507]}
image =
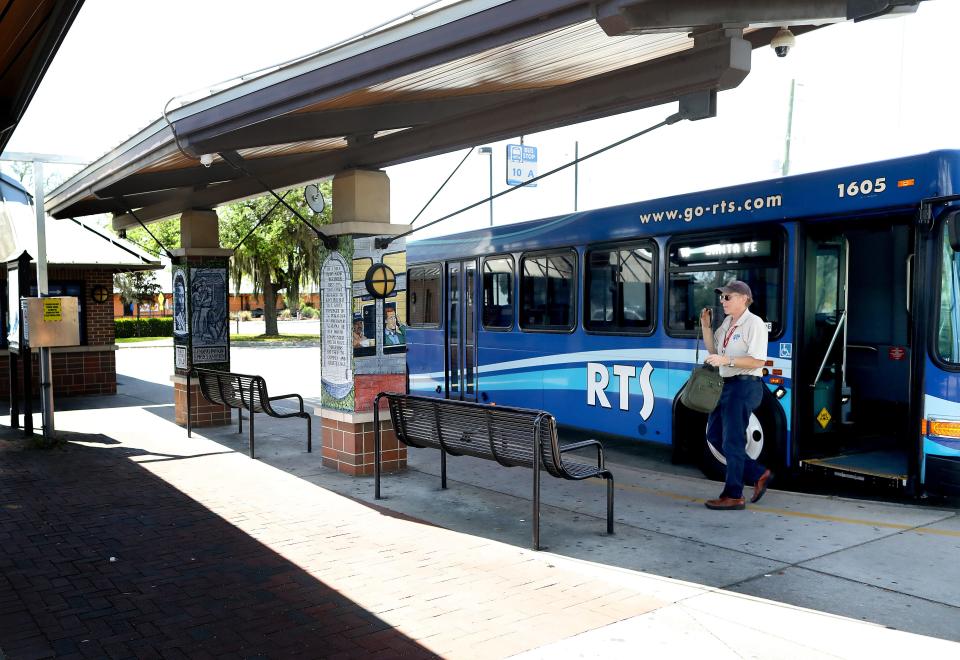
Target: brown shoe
{"type": "Point", "coordinates": [726, 504]}
{"type": "Point", "coordinates": [761, 486]}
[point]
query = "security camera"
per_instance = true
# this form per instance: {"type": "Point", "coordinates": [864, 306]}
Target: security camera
{"type": "Point", "coordinates": [207, 159]}
{"type": "Point", "coordinates": [782, 42]}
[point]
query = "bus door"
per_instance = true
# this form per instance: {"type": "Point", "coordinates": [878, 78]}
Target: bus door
{"type": "Point", "coordinates": [853, 386]}
{"type": "Point", "coordinates": [461, 324]}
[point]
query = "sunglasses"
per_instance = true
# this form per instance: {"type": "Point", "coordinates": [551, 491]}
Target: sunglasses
{"type": "Point", "coordinates": [727, 297]}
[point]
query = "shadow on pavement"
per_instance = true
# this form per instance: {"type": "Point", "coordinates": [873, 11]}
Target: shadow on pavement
{"type": "Point", "coordinates": [102, 558]}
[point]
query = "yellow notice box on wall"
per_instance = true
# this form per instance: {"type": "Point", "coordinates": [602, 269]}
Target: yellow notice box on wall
{"type": "Point", "coordinates": [53, 321]}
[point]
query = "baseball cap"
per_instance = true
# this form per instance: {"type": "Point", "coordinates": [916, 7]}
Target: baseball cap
{"type": "Point", "coordinates": [736, 286]}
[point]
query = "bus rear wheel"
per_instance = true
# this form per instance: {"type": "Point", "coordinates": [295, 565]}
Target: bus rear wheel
{"type": "Point", "coordinates": [763, 440]}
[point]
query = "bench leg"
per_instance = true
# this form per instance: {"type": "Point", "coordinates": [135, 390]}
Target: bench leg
{"type": "Point", "coordinates": [251, 435]}
{"type": "Point", "coordinates": [376, 448]}
{"type": "Point", "coordinates": [536, 497]}
{"type": "Point", "coordinates": [443, 469]}
{"type": "Point", "coordinates": [189, 408]}
{"type": "Point", "coordinates": [240, 415]}
{"type": "Point", "coordinates": [610, 504]}
{"type": "Point", "coordinates": [309, 435]}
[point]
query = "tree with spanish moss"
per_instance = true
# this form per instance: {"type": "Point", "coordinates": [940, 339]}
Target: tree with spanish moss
{"type": "Point", "coordinates": [282, 254]}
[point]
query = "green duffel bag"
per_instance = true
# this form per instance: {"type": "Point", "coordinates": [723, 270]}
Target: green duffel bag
{"type": "Point", "coordinates": [702, 390]}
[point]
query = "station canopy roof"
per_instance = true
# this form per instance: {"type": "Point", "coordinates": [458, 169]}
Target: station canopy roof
{"type": "Point", "coordinates": [30, 34]}
{"type": "Point", "coordinates": [457, 75]}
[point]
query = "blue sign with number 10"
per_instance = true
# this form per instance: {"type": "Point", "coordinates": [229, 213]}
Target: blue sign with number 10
{"type": "Point", "coordinates": [521, 164]}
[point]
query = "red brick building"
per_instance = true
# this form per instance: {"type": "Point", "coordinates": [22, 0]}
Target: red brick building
{"type": "Point", "coordinates": [244, 302]}
{"type": "Point", "coordinates": [81, 262]}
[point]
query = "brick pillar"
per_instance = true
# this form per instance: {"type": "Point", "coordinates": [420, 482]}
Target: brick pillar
{"type": "Point", "coordinates": [348, 446]}
{"type": "Point", "coordinates": [201, 328]}
{"type": "Point", "coordinates": [348, 437]}
{"type": "Point", "coordinates": [204, 413]}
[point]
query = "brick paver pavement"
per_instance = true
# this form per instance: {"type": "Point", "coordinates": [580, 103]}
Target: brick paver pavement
{"type": "Point", "coordinates": [151, 545]}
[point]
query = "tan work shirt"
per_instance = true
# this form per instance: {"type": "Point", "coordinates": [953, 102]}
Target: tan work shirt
{"type": "Point", "coordinates": [748, 336]}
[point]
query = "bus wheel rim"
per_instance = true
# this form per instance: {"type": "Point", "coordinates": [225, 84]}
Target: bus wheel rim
{"type": "Point", "coordinates": [754, 442]}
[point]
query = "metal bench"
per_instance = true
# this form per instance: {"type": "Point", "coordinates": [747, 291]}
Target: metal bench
{"type": "Point", "coordinates": [509, 436]}
{"type": "Point", "coordinates": [242, 392]}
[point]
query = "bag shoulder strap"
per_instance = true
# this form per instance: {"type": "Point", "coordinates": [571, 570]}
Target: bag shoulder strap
{"type": "Point", "coordinates": [697, 359]}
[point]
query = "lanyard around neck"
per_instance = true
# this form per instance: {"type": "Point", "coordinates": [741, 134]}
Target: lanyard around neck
{"type": "Point", "coordinates": [726, 340]}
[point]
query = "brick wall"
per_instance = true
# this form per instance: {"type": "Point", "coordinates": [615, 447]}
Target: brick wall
{"type": "Point", "coordinates": [368, 386]}
{"type": "Point", "coordinates": [348, 447]}
{"type": "Point", "coordinates": [100, 326]}
{"type": "Point", "coordinates": [167, 310]}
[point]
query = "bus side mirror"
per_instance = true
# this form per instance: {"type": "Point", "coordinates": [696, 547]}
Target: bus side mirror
{"type": "Point", "coordinates": [953, 232]}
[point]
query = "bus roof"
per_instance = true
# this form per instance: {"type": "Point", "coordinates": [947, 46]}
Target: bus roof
{"type": "Point", "coordinates": [869, 189]}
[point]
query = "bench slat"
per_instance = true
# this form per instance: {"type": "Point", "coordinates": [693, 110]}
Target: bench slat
{"type": "Point", "coordinates": [504, 435]}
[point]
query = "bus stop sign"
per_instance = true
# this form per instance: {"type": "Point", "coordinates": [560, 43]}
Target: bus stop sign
{"type": "Point", "coordinates": [521, 164]}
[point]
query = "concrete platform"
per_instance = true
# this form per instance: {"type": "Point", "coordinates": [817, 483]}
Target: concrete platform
{"type": "Point", "coordinates": [450, 573]}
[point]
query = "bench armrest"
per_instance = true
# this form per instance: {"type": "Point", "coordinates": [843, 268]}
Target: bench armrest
{"type": "Point", "coordinates": [586, 443]}
{"type": "Point", "coordinates": [288, 396]}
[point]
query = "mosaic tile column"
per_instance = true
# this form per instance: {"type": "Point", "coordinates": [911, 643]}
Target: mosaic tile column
{"type": "Point", "coordinates": [201, 329]}
{"type": "Point", "coordinates": [362, 335]}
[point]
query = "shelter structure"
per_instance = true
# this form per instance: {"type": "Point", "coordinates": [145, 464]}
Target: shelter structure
{"type": "Point", "coordinates": [31, 32]}
{"type": "Point", "coordinates": [82, 260]}
{"type": "Point", "coordinates": [454, 76]}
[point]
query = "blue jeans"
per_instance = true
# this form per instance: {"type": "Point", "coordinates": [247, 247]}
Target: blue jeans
{"type": "Point", "coordinates": [727, 431]}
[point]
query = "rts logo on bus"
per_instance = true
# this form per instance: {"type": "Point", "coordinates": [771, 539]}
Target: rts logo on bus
{"type": "Point", "coordinates": [599, 377]}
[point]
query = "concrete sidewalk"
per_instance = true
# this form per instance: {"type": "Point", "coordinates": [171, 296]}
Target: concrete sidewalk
{"type": "Point", "coordinates": [219, 555]}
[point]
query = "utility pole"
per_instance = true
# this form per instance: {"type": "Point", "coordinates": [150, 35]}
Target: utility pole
{"type": "Point", "coordinates": [488, 151]}
{"type": "Point", "coordinates": [786, 156]}
{"type": "Point", "coordinates": [576, 173]}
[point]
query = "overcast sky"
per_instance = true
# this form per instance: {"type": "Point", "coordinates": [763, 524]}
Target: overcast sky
{"type": "Point", "coordinates": [868, 91]}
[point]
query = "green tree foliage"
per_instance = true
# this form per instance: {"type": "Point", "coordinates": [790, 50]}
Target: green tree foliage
{"type": "Point", "coordinates": [137, 287]}
{"type": "Point", "coordinates": [283, 254]}
{"type": "Point", "coordinates": [167, 232]}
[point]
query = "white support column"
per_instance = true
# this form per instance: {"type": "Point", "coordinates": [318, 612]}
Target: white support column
{"type": "Point", "coordinates": [43, 288]}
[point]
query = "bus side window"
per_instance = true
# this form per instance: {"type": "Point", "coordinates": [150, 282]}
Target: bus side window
{"type": "Point", "coordinates": [498, 292]}
{"type": "Point", "coordinates": [423, 301]}
{"type": "Point", "coordinates": [548, 284]}
{"type": "Point", "coordinates": [619, 289]}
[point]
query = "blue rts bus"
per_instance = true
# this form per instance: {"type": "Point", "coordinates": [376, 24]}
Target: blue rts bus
{"type": "Point", "coordinates": [592, 316]}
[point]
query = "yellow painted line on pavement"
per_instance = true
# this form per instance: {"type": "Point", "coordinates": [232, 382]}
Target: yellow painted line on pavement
{"type": "Point", "coordinates": [793, 514]}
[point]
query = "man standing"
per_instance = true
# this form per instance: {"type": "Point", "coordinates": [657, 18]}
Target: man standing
{"type": "Point", "coordinates": [739, 349]}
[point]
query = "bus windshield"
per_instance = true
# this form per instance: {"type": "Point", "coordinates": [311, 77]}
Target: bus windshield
{"type": "Point", "coordinates": [948, 337]}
